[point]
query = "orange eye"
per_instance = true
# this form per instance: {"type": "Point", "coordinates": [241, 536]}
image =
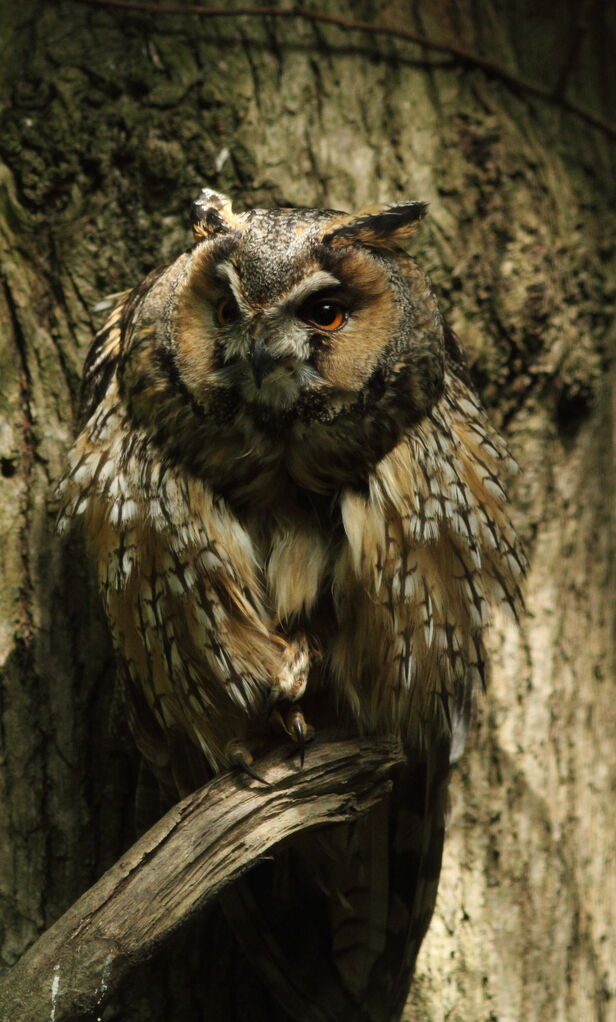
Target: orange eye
{"type": "Point", "coordinates": [226, 311]}
{"type": "Point", "coordinates": [324, 313]}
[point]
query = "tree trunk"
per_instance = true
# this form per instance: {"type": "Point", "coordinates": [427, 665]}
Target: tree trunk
{"type": "Point", "coordinates": [112, 121]}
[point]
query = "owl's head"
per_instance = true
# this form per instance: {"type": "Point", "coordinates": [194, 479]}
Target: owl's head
{"type": "Point", "coordinates": [305, 310]}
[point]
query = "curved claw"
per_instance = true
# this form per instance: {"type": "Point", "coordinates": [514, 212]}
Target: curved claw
{"type": "Point", "coordinates": [291, 722]}
{"type": "Point", "coordinates": [240, 755]}
{"type": "Point", "coordinates": [244, 765]}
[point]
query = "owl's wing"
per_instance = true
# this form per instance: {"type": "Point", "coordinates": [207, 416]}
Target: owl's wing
{"type": "Point", "coordinates": [102, 359]}
{"type": "Point", "coordinates": [178, 574]}
{"type": "Point", "coordinates": [427, 548]}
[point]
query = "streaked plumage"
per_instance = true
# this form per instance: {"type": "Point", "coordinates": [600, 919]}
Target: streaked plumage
{"type": "Point", "coordinates": [291, 493]}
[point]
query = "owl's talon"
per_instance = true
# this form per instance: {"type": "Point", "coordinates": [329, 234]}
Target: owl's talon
{"type": "Point", "coordinates": [240, 756]}
{"type": "Point", "coordinates": [300, 731]}
{"type": "Point", "coordinates": [293, 723]}
{"type": "Point", "coordinates": [244, 765]}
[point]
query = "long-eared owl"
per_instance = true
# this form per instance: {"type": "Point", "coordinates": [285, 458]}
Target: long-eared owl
{"type": "Point", "coordinates": [293, 500]}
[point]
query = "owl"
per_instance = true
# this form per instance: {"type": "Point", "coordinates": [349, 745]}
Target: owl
{"type": "Point", "coordinates": [293, 501]}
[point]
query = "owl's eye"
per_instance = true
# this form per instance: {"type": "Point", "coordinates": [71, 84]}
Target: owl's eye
{"type": "Point", "coordinates": [226, 311]}
{"type": "Point", "coordinates": [324, 313]}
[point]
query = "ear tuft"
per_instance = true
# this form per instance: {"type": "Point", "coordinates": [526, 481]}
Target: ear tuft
{"type": "Point", "coordinates": [212, 214]}
{"type": "Point", "coordinates": [383, 227]}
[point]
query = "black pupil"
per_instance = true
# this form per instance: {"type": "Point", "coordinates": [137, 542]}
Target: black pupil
{"type": "Point", "coordinates": [323, 313]}
{"type": "Point", "coordinates": [228, 310]}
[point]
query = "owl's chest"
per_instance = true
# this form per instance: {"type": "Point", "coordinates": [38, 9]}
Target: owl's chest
{"type": "Point", "coordinates": [260, 462]}
{"type": "Point", "coordinates": [296, 542]}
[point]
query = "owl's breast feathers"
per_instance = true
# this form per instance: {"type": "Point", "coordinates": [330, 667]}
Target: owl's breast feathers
{"type": "Point", "coordinates": [208, 569]}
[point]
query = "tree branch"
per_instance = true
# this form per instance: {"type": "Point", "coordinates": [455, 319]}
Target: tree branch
{"type": "Point", "coordinates": [204, 843]}
{"type": "Point", "coordinates": [516, 82]}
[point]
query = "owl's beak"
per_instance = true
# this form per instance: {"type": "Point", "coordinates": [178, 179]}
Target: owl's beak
{"type": "Point", "coordinates": [261, 363]}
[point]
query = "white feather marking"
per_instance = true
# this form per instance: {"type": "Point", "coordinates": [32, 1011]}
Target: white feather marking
{"type": "Point", "coordinates": [83, 473]}
{"type": "Point", "coordinates": [494, 488]}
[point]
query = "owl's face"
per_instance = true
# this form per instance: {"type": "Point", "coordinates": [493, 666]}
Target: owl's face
{"type": "Point", "coordinates": [295, 311]}
{"type": "Point", "coordinates": [273, 310]}
{"type": "Point", "coordinates": [274, 348]}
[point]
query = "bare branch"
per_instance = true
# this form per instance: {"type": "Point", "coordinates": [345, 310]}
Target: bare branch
{"type": "Point", "coordinates": [204, 843]}
{"type": "Point", "coordinates": [516, 82]}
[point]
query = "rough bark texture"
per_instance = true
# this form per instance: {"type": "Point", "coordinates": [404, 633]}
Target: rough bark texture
{"type": "Point", "coordinates": [111, 122]}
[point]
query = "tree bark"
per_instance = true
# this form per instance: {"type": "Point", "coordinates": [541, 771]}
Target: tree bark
{"type": "Point", "coordinates": [112, 121]}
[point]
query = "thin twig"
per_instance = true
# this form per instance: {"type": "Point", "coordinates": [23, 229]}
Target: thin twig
{"type": "Point", "coordinates": [515, 82]}
{"type": "Point", "coordinates": [203, 844]}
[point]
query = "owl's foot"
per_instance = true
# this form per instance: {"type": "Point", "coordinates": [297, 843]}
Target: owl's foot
{"type": "Point", "coordinates": [240, 755]}
{"type": "Point", "coordinates": [292, 680]}
{"type": "Point", "coordinates": [294, 724]}
{"type": "Point", "coordinates": [294, 669]}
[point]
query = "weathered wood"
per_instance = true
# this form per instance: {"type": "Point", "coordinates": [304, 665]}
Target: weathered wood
{"type": "Point", "coordinates": [204, 843]}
